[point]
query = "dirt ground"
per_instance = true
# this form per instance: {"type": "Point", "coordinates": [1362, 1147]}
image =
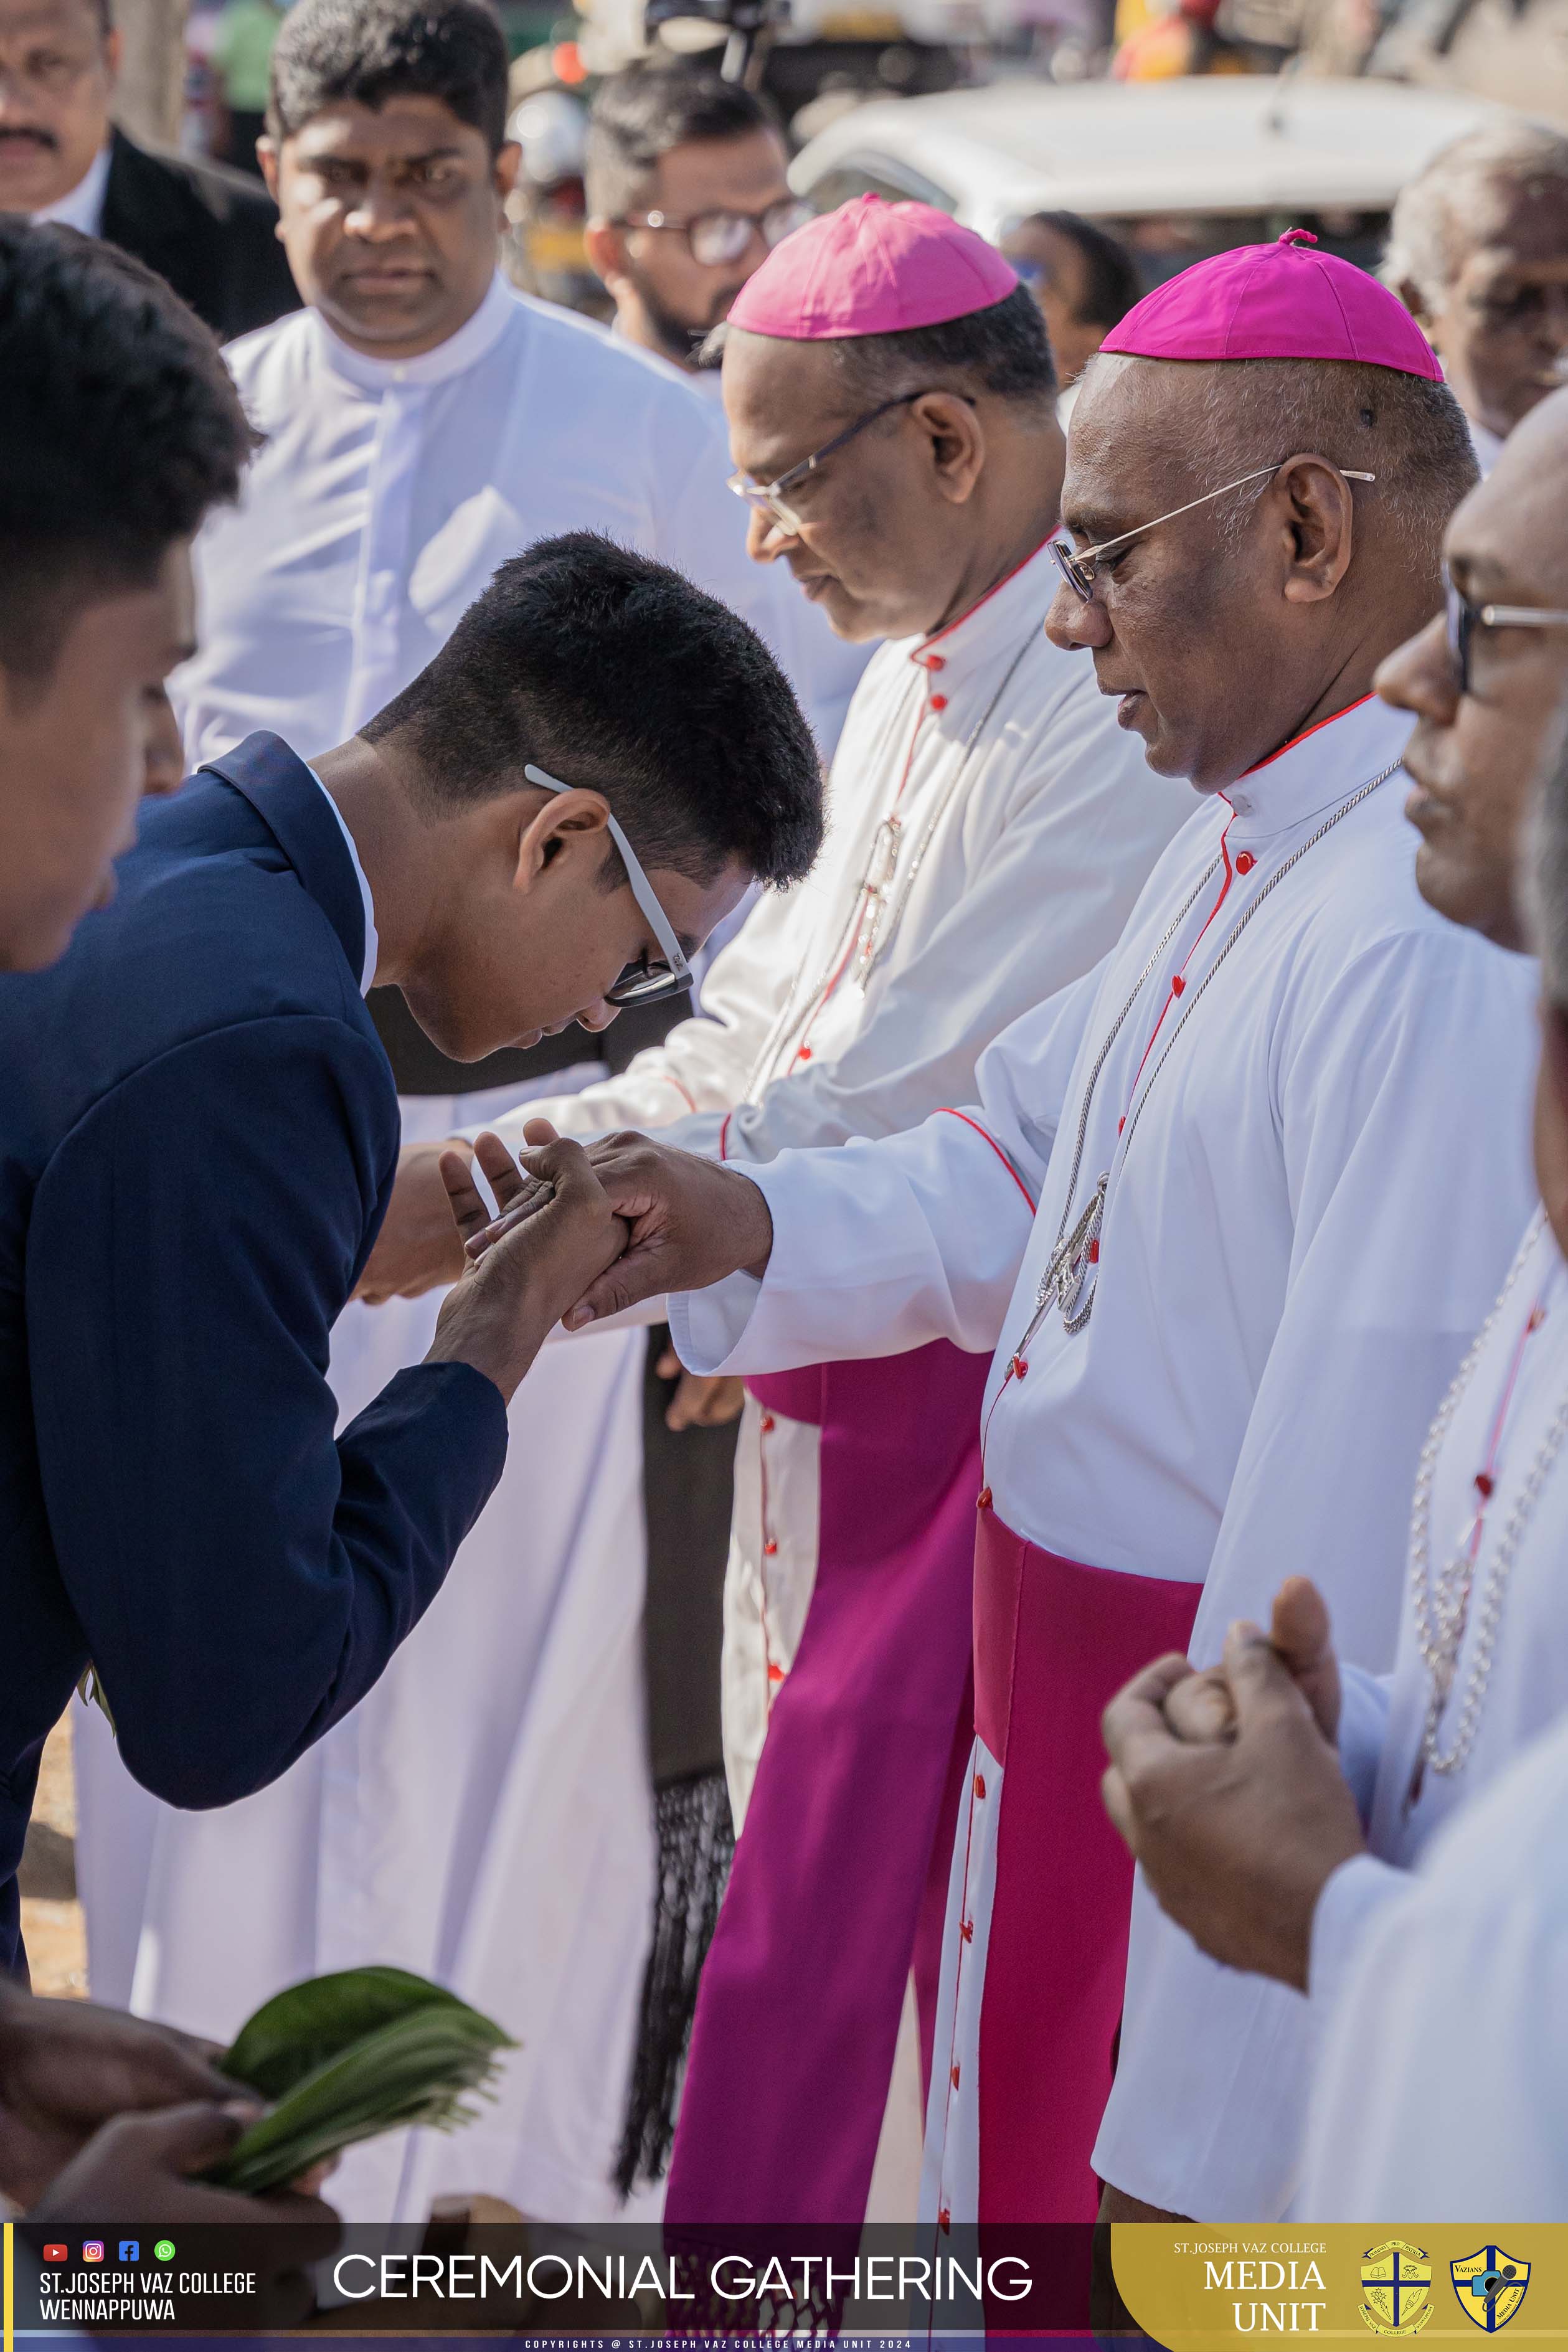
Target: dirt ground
{"type": "Point", "coordinates": [51, 1915]}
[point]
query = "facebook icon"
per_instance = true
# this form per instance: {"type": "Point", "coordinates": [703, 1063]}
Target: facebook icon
{"type": "Point", "coordinates": [130, 2249]}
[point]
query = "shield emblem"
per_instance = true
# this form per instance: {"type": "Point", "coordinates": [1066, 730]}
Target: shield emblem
{"type": "Point", "coordinates": [1490, 2285]}
{"type": "Point", "coordinates": [1395, 2288]}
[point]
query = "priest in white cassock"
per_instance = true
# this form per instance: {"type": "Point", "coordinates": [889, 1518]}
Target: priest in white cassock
{"type": "Point", "coordinates": [1268, 1135]}
{"type": "Point", "coordinates": [421, 422]}
{"type": "Point", "coordinates": [1249, 1826]}
{"type": "Point", "coordinates": [888, 381]}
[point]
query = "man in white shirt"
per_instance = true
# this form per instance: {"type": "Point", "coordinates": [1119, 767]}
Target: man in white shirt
{"type": "Point", "coordinates": [1222, 1334]}
{"type": "Point", "coordinates": [422, 422]}
{"type": "Point", "coordinates": [1478, 251]}
{"type": "Point", "coordinates": [687, 191]}
{"type": "Point", "coordinates": [992, 827]}
{"type": "Point", "coordinates": [1273, 1873]}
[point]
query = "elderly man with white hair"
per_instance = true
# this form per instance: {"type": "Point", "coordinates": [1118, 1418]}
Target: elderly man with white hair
{"type": "Point", "coordinates": [1478, 251]}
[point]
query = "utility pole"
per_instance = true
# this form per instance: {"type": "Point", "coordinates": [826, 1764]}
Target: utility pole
{"type": "Point", "coordinates": [150, 100]}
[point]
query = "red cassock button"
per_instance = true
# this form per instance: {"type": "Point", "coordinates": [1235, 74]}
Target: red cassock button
{"type": "Point", "coordinates": [936, 661]}
{"type": "Point", "coordinates": [803, 1055]}
{"type": "Point", "coordinates": [769, 1548]}
{"type": "Point", "coordinates": [983, 1500]}
{"type": "Point", "coordinates": [1483, 1483]}
{"type": "Point", "coordinates": [955, 2078]}
{"type": "Point", "coordinates": [980, 1784]}
{"type": "Point", "coordinates": [939, 702]}
{"type": "Point", "coordinates": [776, 1674]}
{"type": "Point", "coordinates": [766, 1425]}
{"type": "Point", "coordinates": [945, 2218]}
{"type": "Point", "coordinates": [967, 1931]}
{"type": "Point", "coordinates": [1020, 1365]}
{"type": "Point", "coordinates": [1246, 862]}
{"type": "Point", "coordinates": [1178, 985]}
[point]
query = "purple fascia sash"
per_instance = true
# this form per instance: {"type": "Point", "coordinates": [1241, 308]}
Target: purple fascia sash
{"type": "Point", "coordinates": [840, 1876]}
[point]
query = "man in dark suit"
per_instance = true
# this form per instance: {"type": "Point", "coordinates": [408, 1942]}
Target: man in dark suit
{"type": "Point", "coordinates": [199, 1132]}
{"type": "Point", "coordinates": [210, 232]}
{"type": "Point", "coordinates": [119, 425]}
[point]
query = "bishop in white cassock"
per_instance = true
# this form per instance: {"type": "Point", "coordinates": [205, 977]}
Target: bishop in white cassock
{"type": "Point", "coordinates": [1264, 1139]}
{"type": "Point", "coordinates": [990, 828]}
{"type": "Point", "coordinates": [505, 1754]}
{"type": "Point", "coordinates": [1486, 683]}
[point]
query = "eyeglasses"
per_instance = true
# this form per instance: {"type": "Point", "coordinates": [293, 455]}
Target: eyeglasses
{"type": "Point", "coordinates": [767, 497]}
{"type": "Point", "coordinates": [643, 982]}
{"type": "Point", "coordinates": [716, 238]}
{"type": "Point", "coordinates": [1466, 616]}
{"type": "Point", "coordinates": [1081, 572]}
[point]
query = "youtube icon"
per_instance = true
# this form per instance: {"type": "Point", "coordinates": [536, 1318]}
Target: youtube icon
{"type": "Point", "coordinates": [57, 2253]}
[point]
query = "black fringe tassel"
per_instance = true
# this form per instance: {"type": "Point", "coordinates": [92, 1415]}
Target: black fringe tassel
{"type": "Point", "coordinates": [696, 1846]}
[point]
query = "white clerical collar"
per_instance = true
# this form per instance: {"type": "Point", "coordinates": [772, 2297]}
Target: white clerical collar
{"type": "Point", "coordinates": [81, 208]}
{"type": "Point", "coordinates": [1319, 769]}
{"type": "Point", "coordinates": [372, 943]}
{"type": "Point", "coordinates": [1018, 602]}
{"type": "Point", "coordinates": [1487, 445]}
{"type": "Point", "coordinates": [473, 342]}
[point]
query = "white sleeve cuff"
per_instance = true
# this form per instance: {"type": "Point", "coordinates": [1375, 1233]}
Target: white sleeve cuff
{"type": "Point", "coordinates": [1356, 1895]}
{"type": "Point", "coordinates": [1363, 1732]}
{"type": "Point", "coordinates": [708, 1326]}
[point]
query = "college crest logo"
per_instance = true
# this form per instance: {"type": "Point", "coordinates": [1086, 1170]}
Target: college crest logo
{"type": "Point", "coordinates": [1395, 2288]}
{"type": "Point", "coordinates": [1490, 2285]}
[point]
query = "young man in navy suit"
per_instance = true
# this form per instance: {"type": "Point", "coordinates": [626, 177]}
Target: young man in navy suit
{"type": "Point", "coordinates": [198, 1135]}
{"type": "Point", "coordinates": [119, 425]}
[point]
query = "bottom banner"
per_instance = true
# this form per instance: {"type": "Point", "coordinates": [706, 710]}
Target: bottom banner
{"type": "Point", "coordinates": [1181, 2288]}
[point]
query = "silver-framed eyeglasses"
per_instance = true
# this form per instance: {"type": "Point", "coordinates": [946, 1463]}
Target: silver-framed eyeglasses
{"type": "Point", "coordinates": [1466, 616]}
{"type": "Point", "coordinates": [768, 498]}
{"type": "Point", "coordinates": [645, 981]}
{"type": "Point", "coordinates": [1079, 569]}
{"type": "Point", "coordinates": [718, 238]}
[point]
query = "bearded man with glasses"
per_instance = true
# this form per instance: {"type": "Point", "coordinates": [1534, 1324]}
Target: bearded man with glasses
{"type": "Point", "coordinates": [1277, 1138]}
{"type": "Point", "coordinates": [686, 191]}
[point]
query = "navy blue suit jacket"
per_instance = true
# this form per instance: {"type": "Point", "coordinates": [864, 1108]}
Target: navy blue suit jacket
{"type": "Point", "coordinates": [198, 1135]}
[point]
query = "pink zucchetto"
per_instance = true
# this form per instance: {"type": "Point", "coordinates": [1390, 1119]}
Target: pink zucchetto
{"type": "Point", "coordinates": [871, 268]}
{"type": "Point", "coordinates": [1280, 301]}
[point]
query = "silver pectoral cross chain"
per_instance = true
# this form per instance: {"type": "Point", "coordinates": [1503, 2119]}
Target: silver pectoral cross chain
{"type": "Point", "coordinates": [1070, 1280]}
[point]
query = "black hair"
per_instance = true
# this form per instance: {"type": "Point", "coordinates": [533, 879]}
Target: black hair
{"type": "Point", "coordinates": [370, 50]}
{"type": "Point", "coordinates": [120, 426]}
{"type": "Point", "coordinates": [1112, 283]}
{"type": "Point", "coordinates": [641, 113]}
{"type": "Point", "coordinates": [613, 672]}
{"type": "Point", "coordinates": [1002, 349]}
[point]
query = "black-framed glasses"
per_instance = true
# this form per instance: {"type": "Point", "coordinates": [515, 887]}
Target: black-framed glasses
{"type": "Point", "coordinates": [651, 978]}
{"type": "Point", "coordinates": [767, 497]}
{"type": "Point", "coordinates": [1079, 569]}
{"type": "Point", "coordinates": [719, 238]}
{"type": "Point", "coordinates": [1466, 616]}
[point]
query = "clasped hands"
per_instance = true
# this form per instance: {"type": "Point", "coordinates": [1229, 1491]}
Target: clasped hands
{"type": "Point", "coordinates": [580, 1234]}
{"type": "Point", "coordinates": [1226, 1786]}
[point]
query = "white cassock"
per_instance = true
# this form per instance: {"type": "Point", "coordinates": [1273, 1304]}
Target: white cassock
{"type": "Point", "coordinates": [1483, 2134]}
{"type": "Point", "coordinates": [384, 498]}
{"type": "Point", "coordinates": [1443, 2085]}
{"type": "Point", "coordinates": [1314, 1128]}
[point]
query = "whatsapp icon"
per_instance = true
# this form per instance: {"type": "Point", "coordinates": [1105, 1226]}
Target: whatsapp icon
{"type": "Point", "coordinates": [164, 2250]}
